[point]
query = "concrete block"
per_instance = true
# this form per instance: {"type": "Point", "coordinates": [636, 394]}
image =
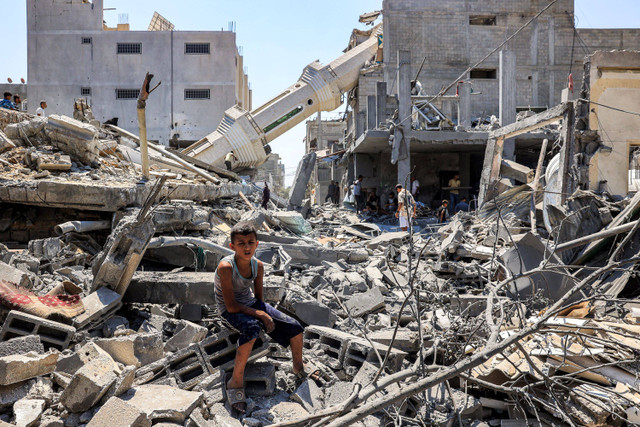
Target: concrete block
{"type": "Point", "coordinates": [373, 274]}
{"type": "Point", "coordinates": [338, 393]}
{"type": "Point", "coordinates": [191, 312]}
{"type": "Point", "coordinates": [405, 340]}
{"type": "Point", "coordinates": [260, 379]}
{"type": "Point", "coordinates": [365, 303]}
{"type": "Point", "coordinates": [10, 394]}
{"type": "Point", "coordinates": [137, 349]}
{"type": "Point", "coordinates": [123, 383]}
{"type": "Point", "coordinates": [15, 276]}
{"type": "Point", "coordinates": [365, 374]}
{"type": "Point", "coordinates": [164, 403]}
{"type": "Point", "coordinates": [359, 351]}
{"type": "Point", "coordinates": [286, 411]}
{"type": "Point", "coordinates": [20, 367]}
{"type": "Point", "coordinates": [113, 325]}
{"type": "Point", "coordinates": [5, 143]}
{"type": "Point", "coordinates": [309, 395]}
{"type": "Point", "coordinates": [183, 287]}
{"type": "Point", "coordinates": [385, 239]}
{"type": "Point", "coordinates": [117, 412]}
{"type": "Point", "coordinates": [334, 343]}
{"type": "Point", "coordinates": [186, 333]}
{"type": "Point", "coordinates": [21, 345]}
{"type": "Point", "coordinates": [219, 351]}
{"type": "Point", "coordinates": [52, 334]}
{"type": "Point", "coordinates": [99, 306]}
{"type": "Point", "coordinates": [187, 367]}
{"type": "Point", "coordinates": [89, 384]}
{"type": "Point", "coordinates": [27, 412]}
{"type": "Point", "coordinates": [357, 281]}
{"type": "Point", "coordinates": [313, 312]}
{"type": "Point", "coordinates": [70, 362]}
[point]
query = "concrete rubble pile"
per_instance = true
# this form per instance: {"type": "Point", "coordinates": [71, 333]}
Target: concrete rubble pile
{"type": "Point", "coordinates": [109, 318]}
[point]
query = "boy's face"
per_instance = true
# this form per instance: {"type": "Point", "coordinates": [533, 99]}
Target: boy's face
{"type": "Point", "coordinates": [244, 245]}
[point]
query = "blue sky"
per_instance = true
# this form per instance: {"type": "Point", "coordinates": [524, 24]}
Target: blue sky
{"type": "Point", "coordinates": [278, 37]}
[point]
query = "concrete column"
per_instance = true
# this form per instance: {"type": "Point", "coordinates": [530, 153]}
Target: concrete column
{"type": "Point", "coordinates": [508, 98]}
{"type": "Point", "coordinates": [552, 61]}
{"type": "Point", "coordinates": [535, 80]}
{"type": "Point", "coordinates": [464, 105]}
{"type": "Point", "coordinates": [464, 168]}
{"type": "Point", "coordinates": [381, 102]}
{"type": "Point", "coordinates": [371, 112]}
{"type": "Point", "coordinates": [360, 123]}
{"type": "Point", "coordinates": [301, 180]}
{"type": "Point", "coordinates": [404, 109]}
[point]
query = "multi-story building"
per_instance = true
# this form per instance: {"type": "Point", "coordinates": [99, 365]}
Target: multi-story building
{"type": "Point", "coordinates": [326, 138]}
{"type": "Point", "coordinates": [271, 171]}
{"type": "Point", "coordinates": [73, 54]}
{"type": "Point", "coordinates": [440, 41]}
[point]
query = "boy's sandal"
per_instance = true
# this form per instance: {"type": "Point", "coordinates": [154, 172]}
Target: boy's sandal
{"type": "Point", "coordinates": [312, 373]}
{"type": "Point", "coordinates": [235, 397]}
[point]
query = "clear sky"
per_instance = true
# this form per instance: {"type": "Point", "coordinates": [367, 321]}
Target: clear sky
{"type": "Point", "coordinates": [278, 37]}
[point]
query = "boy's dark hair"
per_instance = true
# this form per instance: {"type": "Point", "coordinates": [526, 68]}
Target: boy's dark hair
{"type": "Point", "coordinates": [7, 94]}
{"type": "Point", "coordinates": [398, 186]}
{"type": "Point", "coordinates": [243, 229]}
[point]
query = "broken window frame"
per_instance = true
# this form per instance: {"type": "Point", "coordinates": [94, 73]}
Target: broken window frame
{"type": "Point", "coordinates": [483, 74]}
{"type": "Point", "coordinates": [85, 91]}
{"type": "Point", "coordinates": [483, 20]}
{"type": "Point", "coordinates": [129, 48]}
{"type": "Point", "coordinates": [86, 40]}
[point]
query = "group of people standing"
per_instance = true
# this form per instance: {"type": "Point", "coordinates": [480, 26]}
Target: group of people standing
{"type": "Point", "coordinates": [16, 104]}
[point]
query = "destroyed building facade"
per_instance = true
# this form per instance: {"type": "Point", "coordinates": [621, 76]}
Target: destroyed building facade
{"type": "Point", "coordinates": [72, 54]}
{"type": "Point", "coordinates": [440, 134]}
{"type": "Point", "coordinates": [326, 138]}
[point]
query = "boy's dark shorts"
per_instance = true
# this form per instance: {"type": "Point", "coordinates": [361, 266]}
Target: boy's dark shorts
{"type": "Point", "coordinates": [249, 327]}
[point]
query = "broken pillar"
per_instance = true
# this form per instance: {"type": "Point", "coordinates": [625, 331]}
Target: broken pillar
{"type": "Point", "coordinates": [381, 103]}
{"type": "Point", "coordinates": [516, 171]}
{"type": "Point", "coordinates": [122, 253]}
{"type": "Point", "coordinates": [181, 287]}
{"type": "Point", "coordinates": [74, 137]}
{"type": "Point", "coordinates": [464, 104]}
{"type": "Point", "coordinates": [404, 110]}
{"type": "Point", "coordinates": [301, 180]}
{"type": "Point", "coordinates": [371, 112]}
{"type": "Point", "coordinates": [507, 98]}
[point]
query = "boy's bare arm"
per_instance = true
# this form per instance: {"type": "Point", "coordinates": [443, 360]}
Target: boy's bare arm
{"type": "Point", "coordinates": [257, 283]}
{"type": "Point", "coordinates": [225, 271]}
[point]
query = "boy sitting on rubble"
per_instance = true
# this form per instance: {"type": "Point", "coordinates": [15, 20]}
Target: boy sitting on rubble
{"type": "Point", "coordinates": [245, 310]}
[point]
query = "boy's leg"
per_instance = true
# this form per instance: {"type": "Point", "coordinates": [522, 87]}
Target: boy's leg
{"type": "Point", "coordinates": [242, 355]}
{"type": "Point", "coordinates": [296, 353]}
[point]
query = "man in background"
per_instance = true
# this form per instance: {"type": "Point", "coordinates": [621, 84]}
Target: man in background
{"type": "Point", "coordinates": [6, 102]}
{"type": "Point", "coordinates": [40, 111]}
{"type": "Point", "coordinates": [454, 193]}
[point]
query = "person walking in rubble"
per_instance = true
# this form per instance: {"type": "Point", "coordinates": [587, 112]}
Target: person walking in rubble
{"type": "Point", "coordinates": [239, 300]}
{"type": "Point", "coordinates": [454, 193]}
{"type": "Point", "coordinates": [331, 192]}
{"type": "Point", "coordinates": [229, 159]}
{"type": "Point", "coordinates": [7, 103]}
{"type": "Point", "coordinates": [406, 205]}
{"type": "Point", "coordinates": [357, 192]}
{"type": "Point", "coordinates": [266, 196]}
{"type": "Point", "coordinates": [40, 112]}
{"type": "Point", "coordinates": [443, 211]}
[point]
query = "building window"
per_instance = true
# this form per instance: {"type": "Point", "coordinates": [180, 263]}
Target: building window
{"type": "Point", "coordinates": [197, 48]}
{"type": "Point", "coordinates": [197, 94]}
{"type": "Point", "coordinates": [482, 20]}
{"type": "Point", "coordinates": [87, 40]}
{"type": "Point", "coordinates": [483, 73]}
{"type": "Point", "coordinates": [129, 48]}
{"type": "Point", "coordinates": [127, 93]}
{"type": "Point", "coordinates": [85, 91]}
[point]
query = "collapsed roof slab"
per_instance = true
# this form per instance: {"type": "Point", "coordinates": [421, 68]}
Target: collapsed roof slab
{"type": "Point", "coordinates": [110, 196]}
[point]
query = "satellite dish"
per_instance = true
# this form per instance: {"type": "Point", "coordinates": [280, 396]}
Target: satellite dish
{"type": "Point", "coordinates": [9, 80]}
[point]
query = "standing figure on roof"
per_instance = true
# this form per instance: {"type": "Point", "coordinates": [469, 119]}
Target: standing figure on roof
{"type": "Point", "coordinates": [229, 159]}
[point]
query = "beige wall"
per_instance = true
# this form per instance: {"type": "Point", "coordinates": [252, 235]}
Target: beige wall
{"type": "Point", "coordinates": [615, 82]}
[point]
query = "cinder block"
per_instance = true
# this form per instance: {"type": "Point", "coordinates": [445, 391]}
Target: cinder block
{"type": "Point", "coordinates": [219, 351]}
{"type": "Point", "coordinates": [334, 343]}
{"type": "Point", "coordinates": [52, 334]}
{"type": "Point", "coordinates": [359, 350]}
{"type": "Point", "coordinates": [260, 379]}
{"type": "Point", "coordinates": [188, 367]}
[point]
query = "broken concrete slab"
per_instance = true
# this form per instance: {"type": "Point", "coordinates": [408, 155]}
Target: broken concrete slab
{"type": "Point", "coordinates": [15, 276]}
{"type": "Point", "coordinates": [137, 350]}
{"type": "Point", "coordinates": [186, 333]}
{"type": "Point", "coordinates": [5, 143]}
{"type": "Point", "coordinates": [20, 367]}
{"type": "Point", "coordinates": [405, 339]}
{"type": "Point", "coordinates": [171, 288]}
{"type": "Point", "coordinates": [21, 345]}
{"type": "Point", "coordinates": [396, 238]}
{"type": "Point", "coordinates": [161, 402]}
{"type": "Point", "coordinates": [90, 383]}
{"type": "Point", "coordinates": [303, 173]}
{"type": "Point", "coordinates": [27, 412]}
{"type": "Point", "coordinates": [309, 395]}
{"type": "Point", "coordinates": [117, 412]}
{"type": "Point", "coordinates": [98, 306]}
{"type": "Point", "coordinates": [365, 303]}
{"type": "Point", "coordinates": [115, 265]}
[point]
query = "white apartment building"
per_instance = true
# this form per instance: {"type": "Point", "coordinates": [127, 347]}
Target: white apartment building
{"type": "Point", "coordinates": [73, 54]}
